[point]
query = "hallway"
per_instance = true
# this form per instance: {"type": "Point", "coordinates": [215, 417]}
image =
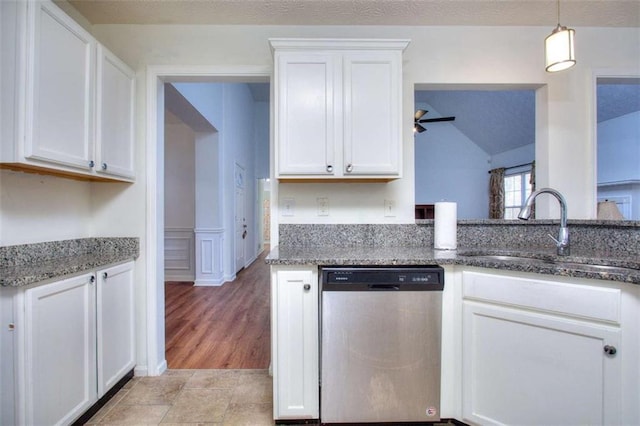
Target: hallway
{"type": "Point", "coordinates": [226, 327]}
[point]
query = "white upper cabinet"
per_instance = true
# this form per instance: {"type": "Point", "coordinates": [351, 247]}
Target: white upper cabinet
{"type": "Point", "coordinates": [114, 116]}
{"type": "Point", "coordinates": [338, 108]}
{"type": "Point", "coordinates": [69, 102]}
{"type": "Point", "coordinates": [60, 66]}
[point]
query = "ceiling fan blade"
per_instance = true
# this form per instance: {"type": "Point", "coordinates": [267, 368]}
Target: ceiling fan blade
{"type": "Point", "coordinates": [434, 120]}
{"type": "Point", "coordinates": [419, 113]}
{"type": "Point", "coordinates": [419, 128]}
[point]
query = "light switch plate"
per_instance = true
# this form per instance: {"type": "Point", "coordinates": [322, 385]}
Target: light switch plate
{"type": "Point", "coordinates": [389, 208]}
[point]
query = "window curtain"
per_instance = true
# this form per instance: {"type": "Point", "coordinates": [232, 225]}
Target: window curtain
{"type": "Point", "coordinates": [496, 193]}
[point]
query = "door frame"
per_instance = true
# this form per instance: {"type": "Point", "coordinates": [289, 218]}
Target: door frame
{"type": "Point", "coordinates": [156, 77]}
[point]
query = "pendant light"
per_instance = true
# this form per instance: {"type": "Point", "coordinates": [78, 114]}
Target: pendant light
{"type": "Point", "coordinates": [558, 48]}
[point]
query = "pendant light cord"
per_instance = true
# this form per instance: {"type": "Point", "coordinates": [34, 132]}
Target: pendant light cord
{"type": "Point", "coordinates": [558, 12]}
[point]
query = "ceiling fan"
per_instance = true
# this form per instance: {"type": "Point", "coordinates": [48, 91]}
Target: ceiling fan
{"type": "Point", "coordinates": [417, 119]}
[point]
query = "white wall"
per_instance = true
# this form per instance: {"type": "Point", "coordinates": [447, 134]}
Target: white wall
{"type": "Point", "coordinates": [36, 208]}
{"type": "Point", "coordinates": [451, 167]}
{"type": "Point", "coordinates": [179, 177]}
{"type": "Point", "coordinates": [261, 129]}
{"type": "Point", "coordinates": [619, 149]}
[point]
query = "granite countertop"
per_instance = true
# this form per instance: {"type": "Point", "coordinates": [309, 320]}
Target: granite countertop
{"type": "Point", "coordinates": [581, 264]}
{"type": "Point", "coordinates": [26, 264]}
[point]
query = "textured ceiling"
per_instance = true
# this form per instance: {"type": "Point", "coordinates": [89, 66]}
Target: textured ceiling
{"type": "Point", "coordinates": [496, 121]}
{"type": "Point", "coordinates": [575, 13]}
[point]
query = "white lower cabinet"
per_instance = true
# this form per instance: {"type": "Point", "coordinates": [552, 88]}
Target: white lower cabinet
{"type": "Point", "coordinates": [74, 342]}
{"type": "Point", "coordinates": [60, 350]}
{"type": "Point", "coordinates": [294, 325]}
{"type": "Point", "coordinates": [540, 352]}
{"type": "Point", "coordinates": [115, 325]}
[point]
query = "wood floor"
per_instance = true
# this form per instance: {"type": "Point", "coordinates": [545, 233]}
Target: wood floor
{"type": "Point", "coordinates": [220, 327]}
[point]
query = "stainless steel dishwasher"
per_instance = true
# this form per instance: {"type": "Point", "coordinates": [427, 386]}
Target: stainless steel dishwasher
{"type": "Point", "coordinates": [380, 344]}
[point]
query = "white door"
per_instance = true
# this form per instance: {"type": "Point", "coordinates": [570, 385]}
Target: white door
{"type": "Point", "coordinates": [295, 340]}
{"type": "Point", "coordinates": [241, 228]}
{"type": "Point", "coordinates": [115, 325]}
{"type": "Point", "coordinates": [60, 99]}
{"type": "Point", "coordinates": [60, 350]}
{"type": "Point", "coordinates": [526, 368]}
{"type": "Point", "coordinates": [372, 106]}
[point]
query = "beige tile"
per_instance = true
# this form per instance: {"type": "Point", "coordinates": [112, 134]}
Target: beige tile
{"type": "Point", "coordinates": [253, 388]}
{"type": "Point", "coordinates": [123, 414]}
{"type": "Point", "coordinates": [248, 415]}
{"type": "Point", "coordinates": [179, 373]}
{"type": "Point", "coordinates": [214, 379]}
{"type": "Point", "coordinates": [131, 382]}
{"type": "Point", "coordinates": [191, 424]}
{"type": "Point", "coordinates": [107, 407]}
{"type": "Point", "coordinates": [199, 405]}
{"type": "Point", "coordinates": [161, 390]}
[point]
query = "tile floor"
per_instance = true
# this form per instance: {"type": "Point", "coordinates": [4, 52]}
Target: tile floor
{"type": "Point", "coordinates": [202, 397]}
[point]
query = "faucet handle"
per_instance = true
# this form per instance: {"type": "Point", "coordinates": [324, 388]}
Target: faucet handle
{"type": "Point", "coordinates": [554, 239]}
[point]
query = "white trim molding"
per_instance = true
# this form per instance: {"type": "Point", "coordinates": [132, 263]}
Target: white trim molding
{"type": "Point", "coordinates": [179, 248]}
{"type": "Point", "coordinates": [209, 260]}
{"type": "Point", "coordinates": [152, 326]}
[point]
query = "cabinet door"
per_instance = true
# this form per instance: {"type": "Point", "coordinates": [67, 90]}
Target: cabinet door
{"type": "Point", "coordinates": [295, 344]}
{"type": "Point", "coordinates": [524, 368]}
{"type": "Point", "coordinates": [115, 325]}
{"type": "Point", "coordinates": [372, 106]}
{"type": "Point", "coordinates": [59, 127]}
{"type": "Point", "coordinates": [306, 102]}
{"type": "Point", "coordinates": [60, 350]}
{"type": "Point", "coordinates": [114, 116]}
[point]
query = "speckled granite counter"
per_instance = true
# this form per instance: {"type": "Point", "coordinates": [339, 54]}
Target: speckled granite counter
{"type": "Point", "coordinates": [26, 264]}
{"type": "Point", "coordinates": [615, 245]}
{"type": "Point", "coordinates": [618, 269]}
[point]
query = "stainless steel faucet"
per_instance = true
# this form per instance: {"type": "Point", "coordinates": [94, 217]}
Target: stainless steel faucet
{"type": "Point", "coordinates": [562, 242]}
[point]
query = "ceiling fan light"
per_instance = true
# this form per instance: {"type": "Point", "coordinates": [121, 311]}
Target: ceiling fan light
{"type": "Point", "coordinates": [559, 49]}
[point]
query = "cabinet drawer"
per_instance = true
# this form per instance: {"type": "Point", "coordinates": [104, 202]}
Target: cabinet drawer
{"type": "Point", "coordinates": [575, 300]}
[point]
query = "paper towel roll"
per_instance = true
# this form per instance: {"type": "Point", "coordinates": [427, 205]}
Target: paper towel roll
{"type": "Point", "coordinates": [445, 226]}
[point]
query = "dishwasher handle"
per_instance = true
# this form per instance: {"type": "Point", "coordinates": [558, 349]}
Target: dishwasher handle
{"type": "Point", "coordinates": [383, 287]}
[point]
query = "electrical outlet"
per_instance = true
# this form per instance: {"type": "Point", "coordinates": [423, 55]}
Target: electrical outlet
{"type": "Point", "coordinates": [288, 206]}
{"type": "Point", "coordinates": [323, 206]}
{"type": "Point", "coordinates": [389, 208]}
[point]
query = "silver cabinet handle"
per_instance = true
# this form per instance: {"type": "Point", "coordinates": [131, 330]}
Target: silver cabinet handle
{"type": "Point", "coordinates": [105, 275]}
{"type": "Point", "coordinates": [91, 164]}
{"type": "Point", "coordinates": [307, 287]}
{"type": "Point", "coordinates": [329, 168]}
{"type": "Point", "coordinates": [349, 168]}
{"type": "Point", "coordinates": [104, 166]}
{"type": "Point", "coordinates": [610, 350]}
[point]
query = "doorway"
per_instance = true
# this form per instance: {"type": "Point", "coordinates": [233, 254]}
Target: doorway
{"type": "Point", "coordinates": [155, 326]}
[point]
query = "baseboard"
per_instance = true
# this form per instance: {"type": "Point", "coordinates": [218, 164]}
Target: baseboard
{"type": "Point", "coordinates": [207, 283]}
{"type": "Point", "coordinates": [162, 367]}
{"type": "Point", "coordinates": [170, 277]}
{"type": "Point", "coordinates": [140, 371]}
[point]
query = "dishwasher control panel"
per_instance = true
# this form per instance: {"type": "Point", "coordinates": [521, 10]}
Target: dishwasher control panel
{"type": "Point", "coordinates": [396, 278]}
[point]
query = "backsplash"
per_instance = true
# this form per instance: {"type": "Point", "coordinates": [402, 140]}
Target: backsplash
{"type": "Point", "coordinates": [621, 238]}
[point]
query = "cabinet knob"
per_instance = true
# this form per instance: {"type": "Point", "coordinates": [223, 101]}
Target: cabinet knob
{"type": "Point", "coordinates": [92, 279]}
{"type": "Point", "coordinates": [329, 168]}
{"type": "Point", "coordinates": [307, 287]}
{"type": "Point", "coordinates": [349, 168]}
{"type": "Point", "coordinates": [610, 350]}
{"type": "Point", "coordinates": [105, 275]}
{"type": "Point", "coordinates": [104, 166]}
{"type": "Point", "coordinates": [91, 164]}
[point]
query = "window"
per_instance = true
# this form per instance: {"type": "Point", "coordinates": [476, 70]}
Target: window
{"type": "Point", "coordinates": [516, 190]}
